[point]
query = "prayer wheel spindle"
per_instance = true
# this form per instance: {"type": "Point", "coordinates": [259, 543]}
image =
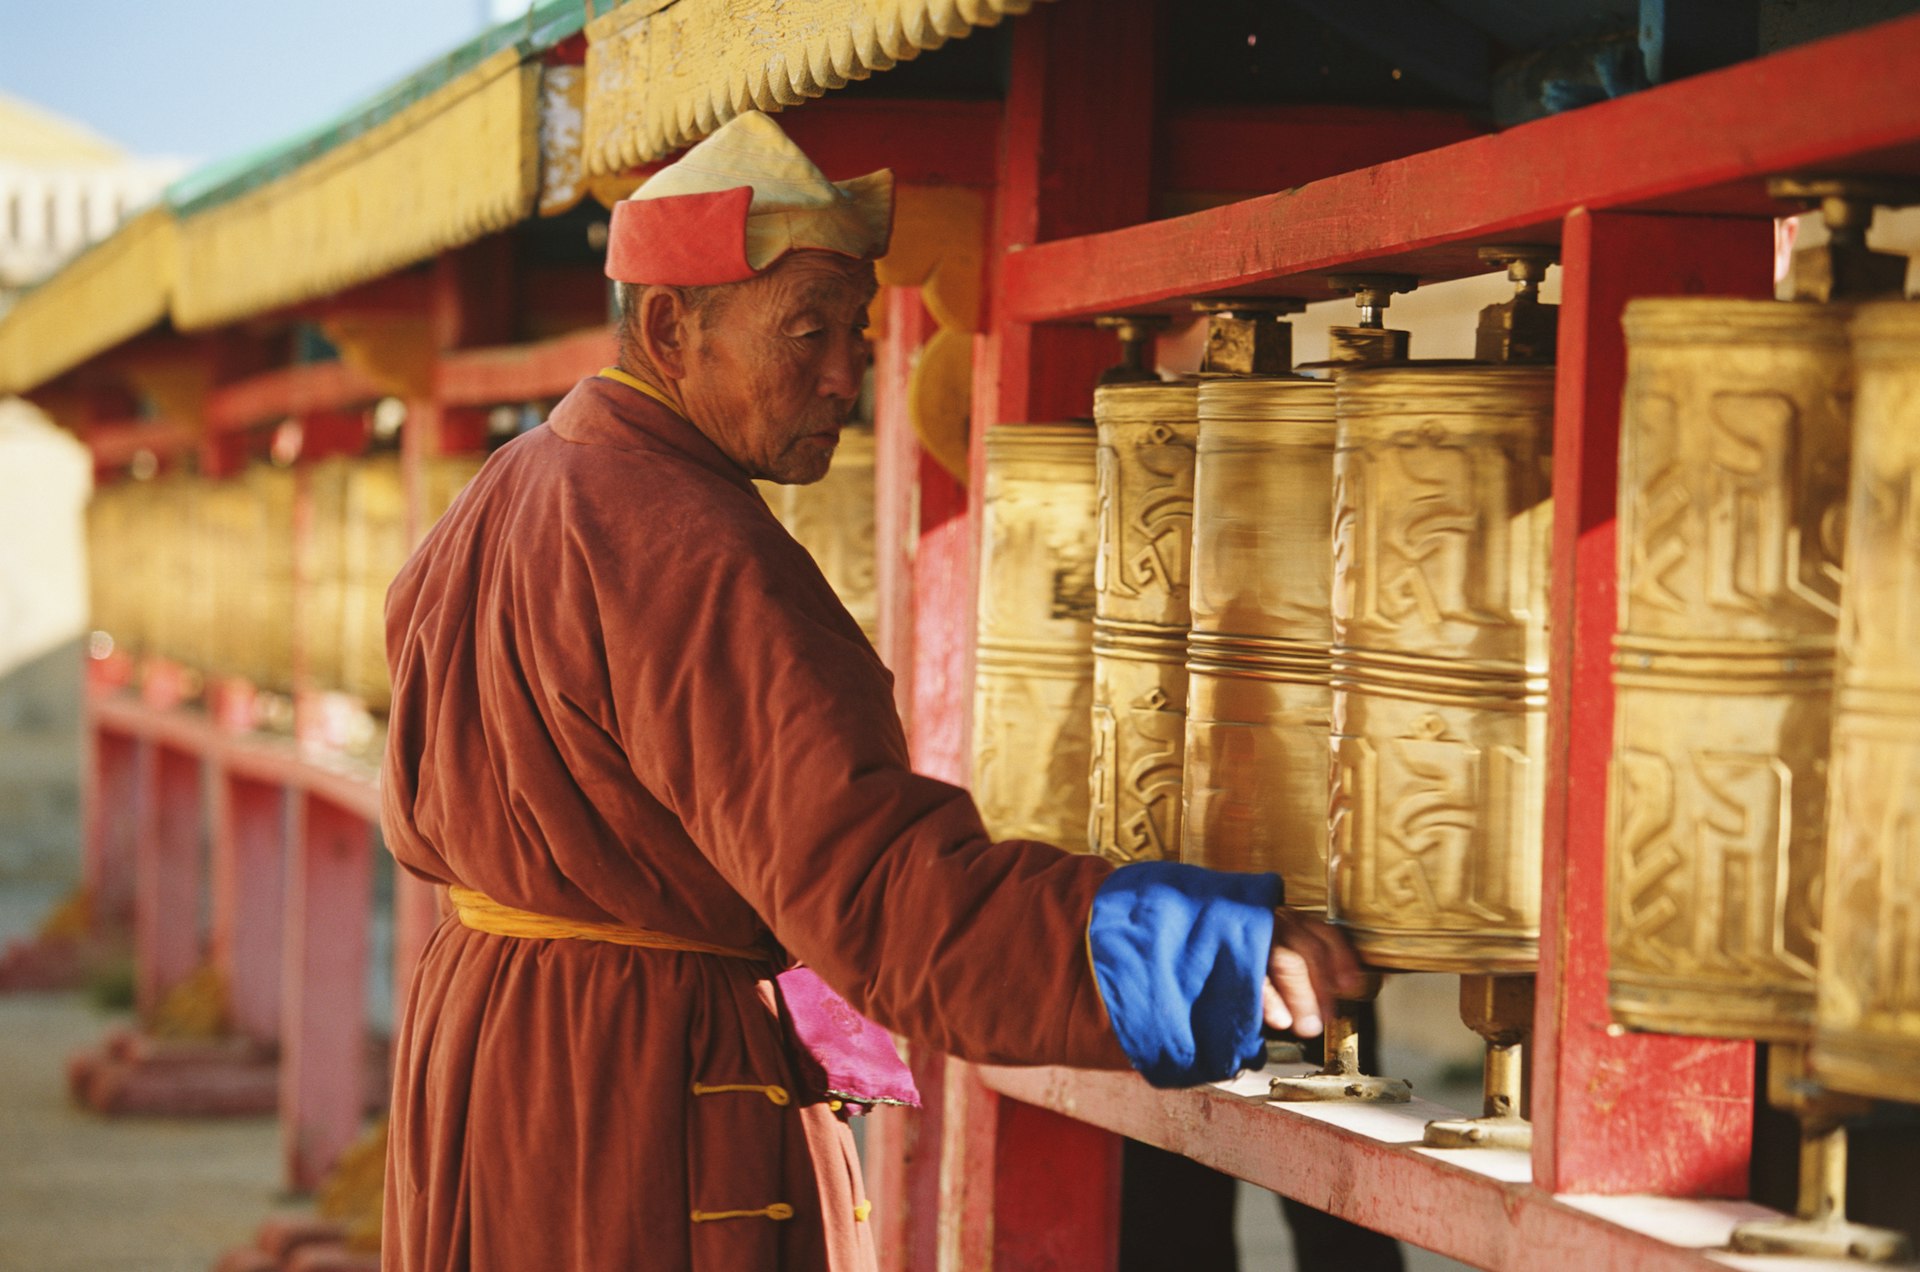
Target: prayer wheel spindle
{"type": "Point", "coordinates": [1339, 1077]}
{"type": "Point", "coordinates": [1736, 440]}
{"type": "Point", "coordinates": [1136, 333]}
{"type": "Point", "coordinates": [1033, 692]}
{"type": "Point", "coordinates": [1371, 341]}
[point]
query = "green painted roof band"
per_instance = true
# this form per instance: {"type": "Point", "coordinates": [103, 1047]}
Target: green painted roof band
{"type": "Point", "coordinates": [539, 29]}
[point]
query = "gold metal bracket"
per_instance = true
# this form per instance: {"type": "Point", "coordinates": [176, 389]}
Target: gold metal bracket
{"type": "Point", "coordinates": [1845, 268]}
{"type": "Point", "coordinates": [1500, 1010]}
{"type": "Point", "coordinates": [1136, 333]}
{"type": "Point", "coordinates": [1819, 1228]}
{"type": "Point", "coordinates": [1372, 341]}
{"type": "Point", "coordinates": [1522, 329]}
{"type": "Point", "coordinates": [1245, 335]}
{"type": "Point", "coordinates": [1339, 1077]}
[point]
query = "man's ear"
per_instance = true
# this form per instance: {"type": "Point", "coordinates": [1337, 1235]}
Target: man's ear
{"type": "Point", "coordinates": [662, 330]}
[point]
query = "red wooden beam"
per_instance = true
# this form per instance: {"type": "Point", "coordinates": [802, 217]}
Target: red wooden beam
{"type": "Point", "coordinates": [1260, 149]}
{"type": "Point", "coordinates": [1638, 1113]}
{"type": "Point", "coordinates": [302, 389]}
{"type": "Point", "coordinates": [522, 373]}
{"type": "Point", "coordinates": [115, 444]}
{"type": "Point", "coordinates": [1366, 1163]}
{"type": "Point", "coordinates": [396, 294]}
{"type": "Point", "coordinates": [924, 142]}
{"type": "Point", "coordinates": [1700, 144]}
{"type": "Point", "coordinates": [324, 1026]}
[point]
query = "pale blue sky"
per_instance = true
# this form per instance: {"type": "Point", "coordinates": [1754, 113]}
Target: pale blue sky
{"type": "Point", "coordinates": [205, 79]}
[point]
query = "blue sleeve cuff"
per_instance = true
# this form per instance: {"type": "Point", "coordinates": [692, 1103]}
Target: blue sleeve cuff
{"type": "Point", "coordinates": [1180, 955]}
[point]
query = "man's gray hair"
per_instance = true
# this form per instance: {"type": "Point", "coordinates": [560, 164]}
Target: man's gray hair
{"type": "Point", "coordinates": [701, 302]}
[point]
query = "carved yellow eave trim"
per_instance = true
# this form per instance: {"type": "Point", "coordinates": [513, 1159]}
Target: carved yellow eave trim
{"type": "Point", "coordinates": [461, 163]}
{"type": "Point", "coordinates": [664, 73]}
{"type": "Point", "coordinates": [113, 292]}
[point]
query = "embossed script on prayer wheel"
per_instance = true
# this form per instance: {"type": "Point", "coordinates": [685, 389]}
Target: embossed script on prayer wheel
{"type": "Point", "coordinates": [1733, 469]}
{"type": "Point", "coordinates": [1145, 469]}
{"type": "Point", "coordinates": [1033, 692]}
{"type": "Point", "coordinates": [1442, 520]}
{"type": "Point", "coordinates": [833, 520]}
{"type": "Point", "coordinates": [1868, 1038]}
{"type": "Point", "coordinates": [1258, 656]}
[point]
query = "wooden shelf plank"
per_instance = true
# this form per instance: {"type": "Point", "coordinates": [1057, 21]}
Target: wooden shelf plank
{"type": "Point", "coordinates": [346, 783]}
{"type": "Point", "coordinates": [1366, 1163]}
{"type": "Point", "coordinates": [1703, 144]}
{"type": "Point", "coordinates": [288, 391]}
{"type": "Point", "coordinates": [522, 373]}
{"type": "Point", "coordinates": [115, 444]}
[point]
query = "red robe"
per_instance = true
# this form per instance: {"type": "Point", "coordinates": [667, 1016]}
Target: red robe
{"type": "Point", "coordinates": [622, 693]}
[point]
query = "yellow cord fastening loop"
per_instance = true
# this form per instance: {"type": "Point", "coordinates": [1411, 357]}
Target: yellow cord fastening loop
{"type": "Point", "coordinates": [777, 1094]}
{"type": "Point", "coordinates": [778, 1210]}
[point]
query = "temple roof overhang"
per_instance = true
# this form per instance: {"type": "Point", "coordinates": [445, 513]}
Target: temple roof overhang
{"type": "Point", "coordinates": [498, 130]}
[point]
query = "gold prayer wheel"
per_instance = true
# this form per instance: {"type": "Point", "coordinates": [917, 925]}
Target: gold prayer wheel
{"type": "Point", "coordinates": [1442, 525]}
{"type": "Point", "coordinates": [374, 550]}
{"type": "Point", "coordinates": [1033, 689]}
{"type": "Point", "coordinates": [1733, 471]}
{"type": "Point", "coordinates": [270, 647]}
{"type": "Point", "coordinates": [1868, 1028]}
{"type": "Point", "coordinates": [446, 477]}
{"type": "Point", "coordinates": [833, 519]}
{"type": "Point", "coordinates": [1145, 461]}
{"type": "Point", "coordinates": [1259, 653]}
{"type": "Point", "coordinates": [320, 557]}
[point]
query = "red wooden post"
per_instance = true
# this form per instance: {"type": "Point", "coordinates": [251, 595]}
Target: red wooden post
{"type": "Point", "coordinates": [896, 486]}
{"type": "Point", "coordinates": [249, 885]}
{"type": "Point", "coordinates": [1076, 157]}
{"type": "Point", "coordinates": [113, 827]}
{"type": "Point", "coordinates": [324, 1025]}
{"type": "Point", "coordinates": [1025, 1189]}
{"type": "Point", "coordinates": [1629, 1113]}
{"type": "Point", "coordinates": [167, 873]}
{"type": "Point", "coordinates": [901, 1158]}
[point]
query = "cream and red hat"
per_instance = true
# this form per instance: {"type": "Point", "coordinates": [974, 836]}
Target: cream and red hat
{"type": "Point", "coordinates": [738, 202]}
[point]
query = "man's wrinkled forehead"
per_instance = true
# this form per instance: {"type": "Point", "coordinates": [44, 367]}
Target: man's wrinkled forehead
{"type": "Point", "coordinates": [818, 280]}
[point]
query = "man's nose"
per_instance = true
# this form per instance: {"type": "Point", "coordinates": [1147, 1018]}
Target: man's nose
{"type": "Point", "coordinates": [846, 367]}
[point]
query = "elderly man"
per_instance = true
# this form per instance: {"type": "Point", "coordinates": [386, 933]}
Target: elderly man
{"type": "Point", "coordinates": [656, 762]}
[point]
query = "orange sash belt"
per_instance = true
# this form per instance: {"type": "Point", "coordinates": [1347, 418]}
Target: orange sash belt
{"type": "Point", "coordinates": [483, 914]}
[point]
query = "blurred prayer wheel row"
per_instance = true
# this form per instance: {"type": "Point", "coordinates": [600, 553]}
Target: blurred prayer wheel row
{"type": "Point", "coordinates": [1033, 691]}
{"type": "Point", "coordinates": [1144, 464]}
{"type": "Point", "coordinates": [833, 519]}
{"type": "Point", "coordinates": [1442, 527]}
{"type": "Point", "coordinates": [1868, 1030]}
{"type": "Point", "coordinates": [1258, 656]}
{"type": "Point", "coordinates": [202, 571]}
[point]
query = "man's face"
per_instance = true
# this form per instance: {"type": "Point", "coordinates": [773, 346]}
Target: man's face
{"type": "Point", "coordinates": [773, 370]}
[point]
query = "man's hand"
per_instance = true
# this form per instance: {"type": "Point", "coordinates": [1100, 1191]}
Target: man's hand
{"type": "Point", "coordinates": [1310, 965]}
